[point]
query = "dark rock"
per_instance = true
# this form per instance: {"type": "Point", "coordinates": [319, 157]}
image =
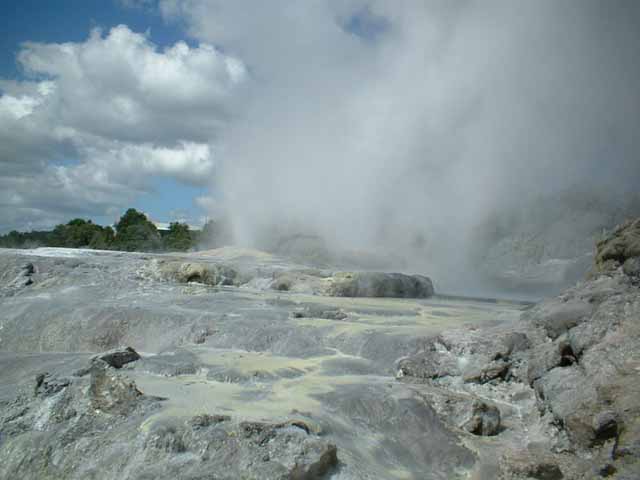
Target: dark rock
{"type": "Point", "coordinates": [318, 311]}
{"type": "Point", "coordinates": [546, 471]}
{"type": "Point", "coordinates": [484, 419]}
{"type": "Point", "coordinates": [530, 465]}
{"type": "Point", "coordinates": [605, 426]}
{"type": "Point", "coordinates": [607, 470]}
{"type": "Point", "coordinates": [47, 385]}
{"type": "Point", "coordinates": [118, 357]}
{"type": "Point", "coordinates": [111, 392]}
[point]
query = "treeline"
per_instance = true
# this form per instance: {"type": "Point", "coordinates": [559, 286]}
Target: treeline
{"type": "Point", "coordinates": [132, 232]}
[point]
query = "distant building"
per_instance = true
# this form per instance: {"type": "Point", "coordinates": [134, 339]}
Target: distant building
{"type": "Point", "coordinates": [164, 226]}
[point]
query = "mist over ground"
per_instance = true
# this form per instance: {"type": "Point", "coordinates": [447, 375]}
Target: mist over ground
{"type": "Point", "coordinates": [406, 127]}
{"type": "Point", "coordinates": [466, 140]}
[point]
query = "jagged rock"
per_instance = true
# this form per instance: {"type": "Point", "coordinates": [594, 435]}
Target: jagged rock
{"type": "Point", "coordinates": [316, 460]}
{"type": "Point", "coordinates": [118, 357]}
{"type": "Point", "coordinates": [622, 244]}
{"type": "Point", "coordinates": [484, 419]}
{"type": "Point", "coordinates": [497, 369]}
{"type": "Point", "coordinates": [433, 361]}
{"type": "Point", "coordinates": [547, 356]}
{"type": "Point", "coordinates": [573, 399]}
{"type": "Point", "coordinates": [28, 269]}
{"type": "Point", "coordinates": [111, 392]}
{"type": "Point", "coordinates": [558, 315]}
{"type": "Point", "coordinates": [291, 445]}
{"type": "Point", "coordinates": [47, 385]}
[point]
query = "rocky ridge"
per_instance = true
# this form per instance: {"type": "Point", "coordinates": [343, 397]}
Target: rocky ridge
{"type": "Point", "coordinates": [566, 376]}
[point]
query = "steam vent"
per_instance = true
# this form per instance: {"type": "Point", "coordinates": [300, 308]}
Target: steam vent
{"type": "Point", "coordinates": [319, 240]}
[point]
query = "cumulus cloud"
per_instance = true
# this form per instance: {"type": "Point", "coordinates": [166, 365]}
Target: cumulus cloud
{"type": "Point", "coordinates": [93, 121]}
{"type": "Point", "coordinates": [120, 86]}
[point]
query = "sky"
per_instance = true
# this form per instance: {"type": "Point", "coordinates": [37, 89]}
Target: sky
{"type": "Point", "coordinates": [373, 124]}
{"type": "Point", "coordinates": [65, 152]}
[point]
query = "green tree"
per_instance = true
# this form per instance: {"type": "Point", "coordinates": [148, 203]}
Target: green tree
{"type": "Point", "coordinates": [103, 239]}
{"type": "Point", "coordinates": [78, 233]}
{"type": "Point", "coordinates": [178, 238]}
{"type": "Point", "coordinates": [134, 232]}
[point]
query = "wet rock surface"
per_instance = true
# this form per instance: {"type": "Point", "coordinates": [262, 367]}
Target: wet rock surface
{"type": "Point", "coordinates": [240, 379]}
{"type": "Point", "coordinates": [565, 382]}
{"type": "Point", "coordinates": [215, 381]}
{"type": "Point", "coordinates": [94, 426]}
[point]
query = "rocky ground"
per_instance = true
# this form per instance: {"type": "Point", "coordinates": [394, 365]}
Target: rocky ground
{"type": "Point", "coordinates": [242, 365]}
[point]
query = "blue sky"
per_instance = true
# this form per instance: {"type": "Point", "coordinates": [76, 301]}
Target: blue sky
{"type": "Point", "coordinates": [290, 112]}
{"type": "Point", "coordinates": [94, 123]}
{"type": "Point", "coordinates": [70, 21]}
{"type": "Point", "coordinates": [59, 21]}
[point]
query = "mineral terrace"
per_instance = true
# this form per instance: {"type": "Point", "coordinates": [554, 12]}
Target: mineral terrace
{"type": "Point", "coordinates": [236, 364]}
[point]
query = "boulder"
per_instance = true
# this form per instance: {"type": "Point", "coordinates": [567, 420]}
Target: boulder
{"type": "Point", "coordinates": [111, 392]}
{"type": "Point", "coordinates": [432, 362]}
{"type": "Point", "coordinates": [605, 426]}
{"type": "Point", "coordinates": [208, 274]}
{"type": "Point", "coordinates": [484, 419]}
{"type": "Point", "coordinates": [619, 246]}
{"type": "Point", "coordinates": [558, 315]}
{"type": "Point", "coordinates": [378, 284]}
{"type": "Point", "coordinates": [118, 357]}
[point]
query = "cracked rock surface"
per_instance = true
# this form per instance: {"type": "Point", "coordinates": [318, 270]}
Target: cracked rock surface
{"type": "Point", "coordinates": [234, 364]}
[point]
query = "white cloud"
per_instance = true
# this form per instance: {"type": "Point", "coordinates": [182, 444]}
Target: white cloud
{"type": "Point", "coordinates": [102, 116]}
{"type": "Point", "coordinates": [120, 86]}
{"type": "Point", "coordinates": [17, 107]}
{"type": "Point", "coordinates": [453, 111]}
{"type": "Point", "coordinates": [188, 161]}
